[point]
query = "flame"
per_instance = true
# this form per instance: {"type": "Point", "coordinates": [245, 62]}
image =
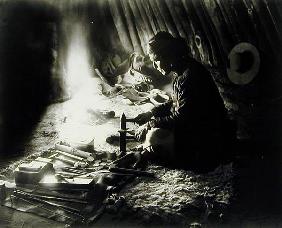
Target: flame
{"type": "Point", "coordinates": [78, 67]}
{"type": "Point", "coordinates": [82, 85]}
{"type": "Point", "coordinates": [73, 120]}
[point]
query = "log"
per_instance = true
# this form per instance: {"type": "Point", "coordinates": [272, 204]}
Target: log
{"type": "Point", "coordinates": [268, 31]}
{"type": "Point", "coordinates": [120, 26]}
{"type": "Point", "coordinates": [130, 21]}
{"type": "Point", "coordinates": [167, 17]}
{"type": "Point", "coordinates": [151, 16]}
{"type": "Point", "coordinates": [188, 28]}
{"type": "Point", "coordinates": [176, 19]}
{"type": "Point", "coordinates": [147, 23]}
{"type": "Point", "coordinates": [158, 15]}
{"type": "Point", "coordinates": [201, 33]}
{"type": "Point", "coordinates": [215, 27]}
{"type": "Point", "coordinates": [141, 31]}
{"type": "Point", "coordinates": [228, 17]}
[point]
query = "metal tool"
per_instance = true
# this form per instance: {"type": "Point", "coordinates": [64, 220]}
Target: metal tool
{"type": "Point", "coordinates": [122, 132]}
{"type": "Point", "coordinates": [131, 171]}
{"type": "Point", "coordinates": [35, 200]}
{"type": "Point", "coordinates": [12, 197]}
{"type": "Point", "coordinates": [44, 197]}
{"type": "Point", "coordinates": [70, 155]}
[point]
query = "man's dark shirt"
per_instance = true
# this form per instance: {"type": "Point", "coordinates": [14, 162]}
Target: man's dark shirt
{"type": "Point", "coordinates": [196, 102]}
{"type": "Point", "coordinates": [197, 120]}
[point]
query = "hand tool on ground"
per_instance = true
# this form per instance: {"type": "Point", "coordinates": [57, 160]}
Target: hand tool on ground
{"type": "Point", "coordinates": [70, 155]}
{"type": "Point", "coordinates": [44, 197]}
{"type": "Point", "coordinates": [122, 133]}
{"type": "Point", "coordinates": [40, 201]}
{"type": "Point", "coordinates": [131, 171]}
{"type": "Point", "coordinates": [115, 138]}
{"type": "Point", "coordinates": [77, 195]}
{"type": "Point", "coordinates": [51, 212]}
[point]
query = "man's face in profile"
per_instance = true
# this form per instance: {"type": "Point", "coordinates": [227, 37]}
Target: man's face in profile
{"type": "Point", "coordinates": [159, 63]}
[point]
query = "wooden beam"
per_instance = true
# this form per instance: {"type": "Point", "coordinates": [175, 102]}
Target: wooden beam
{"type": "Point", "coordinates": [130, 21]}
{"type": "Point", "coordinates": [120, 24]}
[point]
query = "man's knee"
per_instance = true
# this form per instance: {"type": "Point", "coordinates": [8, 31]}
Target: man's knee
{"type": "Point", "coordinates": [158, 136]}
{"type": "Point", "coordinates": [161, 142]}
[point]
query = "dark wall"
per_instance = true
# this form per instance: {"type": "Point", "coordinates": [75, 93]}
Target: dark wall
{"type": "Point", "coordinates": [27, 44]}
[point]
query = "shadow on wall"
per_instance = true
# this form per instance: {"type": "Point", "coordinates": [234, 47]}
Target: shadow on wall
{"type": "Point", "coordinates": [26, 52]}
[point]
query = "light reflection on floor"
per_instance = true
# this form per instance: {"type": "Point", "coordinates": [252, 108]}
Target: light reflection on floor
{"type": "Point", "coordinates": [84, 119]}
{"type": "Point", "coordinates": [79, 120]}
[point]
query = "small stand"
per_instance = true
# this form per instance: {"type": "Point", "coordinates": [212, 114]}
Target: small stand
{"type": "Point", "coordinates": [123, 130]}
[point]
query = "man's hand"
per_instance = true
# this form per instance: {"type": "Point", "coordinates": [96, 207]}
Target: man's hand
{"type": "Point", "coordinates": [141, 132]}
{"type": "Point", "coordinates": [128, 160]}
{"type": "Point", "coordinates": [134, 160]}
{"type": "Point", "coordinates": [143, 118]}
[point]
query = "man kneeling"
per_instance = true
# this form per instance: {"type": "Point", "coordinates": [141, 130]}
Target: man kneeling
{"type": "Point", "coordinates": [189, 131]}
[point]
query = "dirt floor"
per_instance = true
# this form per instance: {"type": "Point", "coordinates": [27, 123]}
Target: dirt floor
{"type": "Point", "coordinates": [174, 198]}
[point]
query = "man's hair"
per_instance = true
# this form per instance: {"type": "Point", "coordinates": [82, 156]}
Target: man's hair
{"type": "Point", "coordinates": [164, 45]}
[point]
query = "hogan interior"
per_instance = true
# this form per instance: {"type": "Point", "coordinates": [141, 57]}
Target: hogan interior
{"type": "Point", "coordinates": [51, 53]}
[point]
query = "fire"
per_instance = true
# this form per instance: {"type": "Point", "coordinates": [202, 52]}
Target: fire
{"type": "Point", "coordinates": [81, 84]}
{"type": "Point", "coordinates": [74, 120]}
{"type": "Point", "coordinates": [78, 67]}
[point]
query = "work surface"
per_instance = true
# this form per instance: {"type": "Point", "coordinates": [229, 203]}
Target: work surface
{"type": "Point", "coordinates": [174, 197]}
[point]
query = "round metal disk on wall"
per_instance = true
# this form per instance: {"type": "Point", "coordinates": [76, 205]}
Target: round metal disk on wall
{"type": "Point", "coordinates": [244, 63]}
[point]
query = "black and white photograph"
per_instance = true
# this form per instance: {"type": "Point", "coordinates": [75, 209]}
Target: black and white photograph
{"type": "Point", "coordinates": [140, 113]}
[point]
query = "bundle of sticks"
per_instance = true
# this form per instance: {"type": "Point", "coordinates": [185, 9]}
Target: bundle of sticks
{"type": "Point", "coordinates": [73, 156]}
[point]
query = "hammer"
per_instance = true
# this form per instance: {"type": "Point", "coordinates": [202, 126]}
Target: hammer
{"type": "Point", "coordinates": [122, 132]}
